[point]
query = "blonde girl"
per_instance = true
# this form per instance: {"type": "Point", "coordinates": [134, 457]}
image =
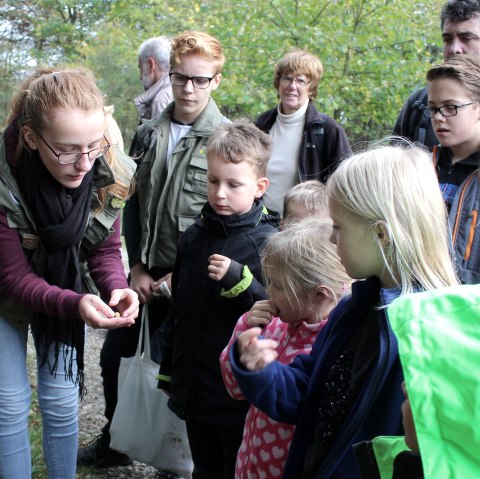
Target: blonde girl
{"type": "Point", "coordinates": [304, 200]}
{"type": "Point", "coordinates": [305, 280]}
{"type": "Point", "coordinates": [61, 192]}
{"type": "Point", "coordinates": [389, 226]}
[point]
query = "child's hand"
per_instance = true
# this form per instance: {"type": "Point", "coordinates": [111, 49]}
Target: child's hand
{"type": "Point", "coordinates": [218, 266]}
{"type": "Point", "coordinates": [411, 439]}
{"type": "Point", "coordinates": [261, 313]}
{"type": "Point", "coordinates": [256, 353]}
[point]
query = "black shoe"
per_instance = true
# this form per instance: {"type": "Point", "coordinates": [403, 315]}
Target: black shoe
{"type": "Point", "coordinates": [97, 454]}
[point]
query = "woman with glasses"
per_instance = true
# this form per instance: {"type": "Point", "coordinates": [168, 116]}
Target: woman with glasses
{"type": "Point", "coordinates": [61, 192]}
{"type": "Point", "coordinates": [307, 144]}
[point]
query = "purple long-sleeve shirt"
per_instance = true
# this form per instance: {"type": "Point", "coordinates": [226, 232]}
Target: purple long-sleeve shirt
{"type": "Point", "coordinates": [25, 286]}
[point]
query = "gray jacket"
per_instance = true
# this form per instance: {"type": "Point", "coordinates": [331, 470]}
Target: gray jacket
{"type": "Point", "coordinates": [154, 100]}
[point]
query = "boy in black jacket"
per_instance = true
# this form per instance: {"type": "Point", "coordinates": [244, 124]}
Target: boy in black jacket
{"type": "Point", "coordinates": [217, 277]}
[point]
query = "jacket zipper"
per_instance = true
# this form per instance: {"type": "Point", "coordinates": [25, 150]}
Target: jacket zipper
{"type": "Point", "coordinates": [354, 420]}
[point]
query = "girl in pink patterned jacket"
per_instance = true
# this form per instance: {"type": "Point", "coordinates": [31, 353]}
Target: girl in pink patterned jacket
{"type": "Point", "coordinates": [304, 279]}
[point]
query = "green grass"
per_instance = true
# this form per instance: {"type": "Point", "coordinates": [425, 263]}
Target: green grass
{"type": "Point", "coordinates": [39, 471]}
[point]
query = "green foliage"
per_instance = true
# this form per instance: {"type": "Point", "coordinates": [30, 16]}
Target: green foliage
{"type": "Point", "coordinates": [375, 52]}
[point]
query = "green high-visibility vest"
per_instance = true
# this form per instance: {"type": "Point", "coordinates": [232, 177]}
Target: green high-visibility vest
{"type": "Point", "coordinates": [438, 335]}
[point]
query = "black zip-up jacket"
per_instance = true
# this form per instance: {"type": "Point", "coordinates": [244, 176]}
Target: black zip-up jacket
{"type": "Point", "coordinates": [202, 316]}
{"type": "Point", "coordinates": [324, 143]}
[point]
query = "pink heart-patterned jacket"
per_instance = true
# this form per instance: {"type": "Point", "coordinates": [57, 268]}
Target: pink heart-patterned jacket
{"type": "Point", "coordinates": [265, 442]}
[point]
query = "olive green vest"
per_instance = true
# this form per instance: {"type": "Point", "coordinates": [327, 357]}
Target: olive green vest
{"type": "Point", "coordinates": [99, 227]}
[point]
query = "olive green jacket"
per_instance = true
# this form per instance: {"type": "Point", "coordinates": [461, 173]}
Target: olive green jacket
{"type": "Point", "coordinates": [168, 198]}
{"type": "Point", "coordinates": [19, 217]}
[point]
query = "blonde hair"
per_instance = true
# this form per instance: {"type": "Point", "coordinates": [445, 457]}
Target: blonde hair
{"type": "Point", "coordinates": [310, 195]}
{"type": "Point", "coordinates": [299, 62]}
{"type": "Point", "coordinates": [197, 43]}
{"type": "Point", "coordinates": [396, 186]}
{"type": "Point", "coordinates": [303, 258]}
{"type": "Point", "coordinates": [66, 89]}
{"type": "Point", "coordinates": [241, 141]}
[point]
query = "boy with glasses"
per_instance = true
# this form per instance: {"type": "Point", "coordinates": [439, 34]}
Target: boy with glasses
{"type": "Point", "coordinates": [454, 109]}
{"type": "Point", "coordinates": [171, 179]}
{"type": "Point", "coordinates": [171, 190]}
{"type": "Point", "coordinates": [453, 96]}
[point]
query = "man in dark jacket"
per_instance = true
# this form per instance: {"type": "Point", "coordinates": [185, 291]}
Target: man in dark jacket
{"type": "Point", "coordinates": [460, 23]}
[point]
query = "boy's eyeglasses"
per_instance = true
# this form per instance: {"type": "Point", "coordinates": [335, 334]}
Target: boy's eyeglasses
{"type": "Point", "coordinates": [197, 81]}
{"type": "Point", "coordinates": [445, 110]}
{"type": "Point", "coordinates": [301, 82]}
{"type": "Point", "coordinates": [69, 158]}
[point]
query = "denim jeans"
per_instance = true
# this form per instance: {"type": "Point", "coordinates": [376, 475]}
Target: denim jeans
{"type": "Point", "coordinates": [58, 399]}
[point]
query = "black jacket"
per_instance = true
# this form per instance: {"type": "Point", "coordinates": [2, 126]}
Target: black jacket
{"type": "Point", "coordinates": [412, 124]}
{"type": "Point", "coordinates": [202, 320]}
{"type": "Point", "coordinates": [324, 143]}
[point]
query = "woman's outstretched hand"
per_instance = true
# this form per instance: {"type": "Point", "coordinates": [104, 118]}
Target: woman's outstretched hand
{"type": "Point", "coordinates": [96, 314]}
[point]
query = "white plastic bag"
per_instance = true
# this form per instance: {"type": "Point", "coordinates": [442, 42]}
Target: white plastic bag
{"type": "Point", "coordinates": [143, 427]}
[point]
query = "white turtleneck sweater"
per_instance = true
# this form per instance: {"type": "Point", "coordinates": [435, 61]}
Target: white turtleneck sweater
{"type": "Point", "coordinates": [282, 169]}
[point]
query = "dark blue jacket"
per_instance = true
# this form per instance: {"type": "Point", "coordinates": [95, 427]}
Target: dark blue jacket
{"type": "Point", "coordinates": [290, 393]}
{"type": "Point", "coordinates": [202, 318]}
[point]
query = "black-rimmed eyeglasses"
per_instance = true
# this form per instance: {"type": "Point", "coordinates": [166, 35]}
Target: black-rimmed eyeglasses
{"type": "Point", "coordinates": [197, 81]}
{"type": "Point", "coordinates": [73, 157]}
{"type": "Point", "coordinates": [445, 110]}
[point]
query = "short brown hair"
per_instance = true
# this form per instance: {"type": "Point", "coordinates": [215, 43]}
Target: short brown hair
{"type": "Point", "coordinates": [241, 141]}
{"type": "Point", "coordinates": [197, 43]}
{"type": "Point", "coordinates": [299, 62]}
{"type": "Point", "coordinates": [463, 68]}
